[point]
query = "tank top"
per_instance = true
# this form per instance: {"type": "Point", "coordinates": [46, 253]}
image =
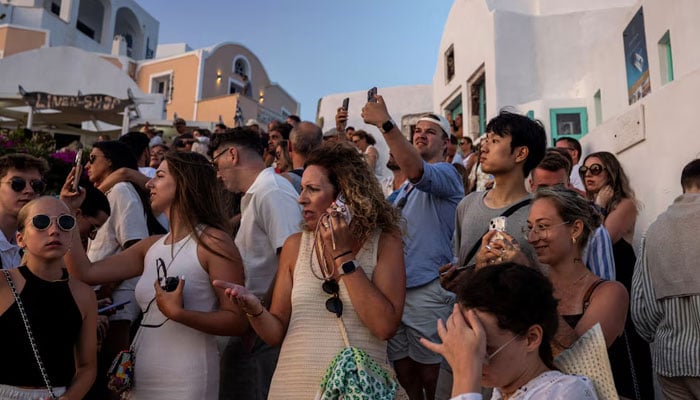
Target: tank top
{"type": "Point", "coordinates": [55, 321]}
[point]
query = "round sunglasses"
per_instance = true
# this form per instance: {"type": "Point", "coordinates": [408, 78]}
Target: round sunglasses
{"type": "Point", "coordinates": [65, 222]}
{"type": "Point", "coordinates": [595, 169]}
{"type": "Point", "coordinates": [18, 184]}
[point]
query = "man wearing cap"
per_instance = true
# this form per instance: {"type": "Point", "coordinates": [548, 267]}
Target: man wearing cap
{"type": "Point", "coordinates": [180, 126]}
{"type": "Point", "coordinates": [428, 201]}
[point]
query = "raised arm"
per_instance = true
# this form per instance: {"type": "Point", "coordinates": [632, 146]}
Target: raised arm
{"type": "Point", "coordinates": [228, 320]}
{"type": "Point", "coordinates": [379, 299]}
{"type": "Point", "coordinates": [124, 175]}
{"type": "Point", "coordinates": [405, 155]}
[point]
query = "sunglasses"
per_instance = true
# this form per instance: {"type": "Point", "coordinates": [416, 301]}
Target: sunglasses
{"type": "Point", "coordinates": [168, 283]}
{"type": "Point", "coordinates": [93, 158]}
{"type": "Point", "coordinates": [333, 304]}
{"type": "Point", "coordinates": [65, 222]}
{"type": "Point", "coordinates": [595, 169]}
{"type": "Point", "coordinates": [18, 184]}
{"type": "Point", "coordinates": [93, 232]}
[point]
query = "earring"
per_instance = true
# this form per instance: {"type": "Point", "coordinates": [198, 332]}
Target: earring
{"type": "Point", "coordinates": [573, 240]}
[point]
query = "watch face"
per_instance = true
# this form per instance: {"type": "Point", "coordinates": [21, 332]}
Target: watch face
{"type": "Point", "coordinates": [348, 267]}
{"type": "Point", "coordinates": [387, 126]}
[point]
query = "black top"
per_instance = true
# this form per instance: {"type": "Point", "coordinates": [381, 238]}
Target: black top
{"type": "Point", "coordinates": [55, 321]}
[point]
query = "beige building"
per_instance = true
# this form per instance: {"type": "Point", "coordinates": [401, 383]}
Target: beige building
{"type": "Point", "coordinates": [212, 84]}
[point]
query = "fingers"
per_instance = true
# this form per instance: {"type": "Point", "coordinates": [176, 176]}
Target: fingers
{"type": "Point", "coordinates": [223, 284]}
{"type": "Point", "coordinates": [434, 347]}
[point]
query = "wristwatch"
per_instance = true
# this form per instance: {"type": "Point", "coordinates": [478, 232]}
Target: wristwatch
{"type": "Point", "coordinates": [348, 267]}
{"type": "Point", "coordinates": [387, 126]}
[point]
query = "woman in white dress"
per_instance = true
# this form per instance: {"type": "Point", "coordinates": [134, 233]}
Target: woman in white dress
{"type": "Point", "coordinates": [175, 348]}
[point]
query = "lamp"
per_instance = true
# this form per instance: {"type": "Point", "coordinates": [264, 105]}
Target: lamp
{"type": "Point", "coordinates": [218, 77]}
{"type": "Point", "coordinates": [261, 98]}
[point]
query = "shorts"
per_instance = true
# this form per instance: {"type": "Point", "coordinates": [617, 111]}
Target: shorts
{"type": "Point", "coordinates": [424, 305]}
{"type": "Point", "coordinates": [8, 392]}
{"type": "Point", "coordinates": [124, 292]}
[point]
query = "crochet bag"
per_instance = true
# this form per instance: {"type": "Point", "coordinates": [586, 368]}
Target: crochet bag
{"type": "Point", "coordinates": [353, 374]}
{"type": "Point", "coordinates": [120, 376]}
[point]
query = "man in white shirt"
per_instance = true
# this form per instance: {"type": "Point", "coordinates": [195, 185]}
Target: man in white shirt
{"type": "Point", "coordinates": [269, 215]}
{"type": "Point", "coordinates": [21, 182]}
{"type": "Point", "coordinates": [573, 147]}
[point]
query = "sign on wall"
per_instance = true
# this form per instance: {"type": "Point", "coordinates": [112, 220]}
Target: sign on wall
{"type": "Point", "coordinates": [636, 60]}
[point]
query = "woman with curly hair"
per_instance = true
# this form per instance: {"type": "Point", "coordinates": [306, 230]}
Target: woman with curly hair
{"type": "Point", "coordinates": [175, 348]}
{"type": "Point", "coordinates": [352, 252]}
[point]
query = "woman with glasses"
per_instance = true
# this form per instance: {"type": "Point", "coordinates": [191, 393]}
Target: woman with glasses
{"type": "Point", "coordinates": [499, 335]}
{"type": "Point", "coordinates": [558, 228]}
{"type": "Point", "coordinates": [175, 348]}
{"type": "Point", "coordinates": [346, 263]}
{"type": "Point", "coordinates": [61, 311]}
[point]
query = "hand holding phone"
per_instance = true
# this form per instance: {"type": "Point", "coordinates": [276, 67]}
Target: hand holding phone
{"type": "Point", "coordinates": [372, 95]}
{"type": "Point", "coordinates": [346, 103]}
{"type": "Point", "coordinates": [340, 206]}
{"type": "Point", "coordinates": [78, 170]}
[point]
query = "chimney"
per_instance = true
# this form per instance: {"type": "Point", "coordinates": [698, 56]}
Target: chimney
{"type": "Point", "coordinates": [119, 47]}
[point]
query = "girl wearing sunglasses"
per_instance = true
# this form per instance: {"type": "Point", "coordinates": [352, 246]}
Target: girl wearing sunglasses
{"type": "Point", "coordinates": [175, 347]}
{"type": "Point", "coordinates": [60, 311]}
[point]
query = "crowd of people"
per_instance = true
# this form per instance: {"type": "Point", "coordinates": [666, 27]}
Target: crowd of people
{"type": "Point", "coordinates": [245, 262]}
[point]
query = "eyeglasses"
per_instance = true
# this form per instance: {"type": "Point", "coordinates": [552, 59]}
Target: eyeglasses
{"type": "Point", "coordinates": [65, 222]}
{"type": "Point", "coordinates": [333, 304]}
{"type": "Point", "coordinates": [93, 158]}
{"type": "Point", "coordinates": [213, 160]}
{"type": "Point", "coordinates": [93, 231]}
{"type": "Point", "coordinates": [490, 357]}
{"type": "Point", "coordinates": [18, 184]}
{"type": "Point", "coordinates": [540, 230]}
{"type": "Point", "coordinates": [168, 283]}
{"type": "Point", "coordinates": [595, 169]}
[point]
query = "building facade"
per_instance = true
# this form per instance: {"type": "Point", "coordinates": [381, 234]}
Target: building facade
{"type": "Point", "coordinates": [619, 75]}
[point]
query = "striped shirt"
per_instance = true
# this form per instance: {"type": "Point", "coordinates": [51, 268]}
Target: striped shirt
{"type": "Point", "coordinates": [671, 325]}
{"type": "Point", "coordinates": [598, 254]}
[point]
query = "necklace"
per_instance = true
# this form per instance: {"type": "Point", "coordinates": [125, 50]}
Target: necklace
{"type": "Point", "coordinates": [569, 286]}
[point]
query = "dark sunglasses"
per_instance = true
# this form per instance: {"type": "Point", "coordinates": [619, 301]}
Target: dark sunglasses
{"type": "Point", "coordinates": [168, 283]}
{"type": "Point", "coordinates": [65, 222]}
{"type": "Point", "coordinates": [595, 169]}
{"type": "Point", "coordinates": [333, 304]}
{"type": "Point", "coordinates": [93, 157]}
{"type": "Point", "coordinates": [93, 232]}
{"type": "Point", "coordinates": [18, 184]}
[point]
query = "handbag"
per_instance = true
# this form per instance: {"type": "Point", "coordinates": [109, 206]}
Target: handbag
{"type": "Point", "coordinates": [120, 376]}
{"type": "Point", "coordinates": [353, 374]}
{"type": "Point", "coordinates": [30, 336]}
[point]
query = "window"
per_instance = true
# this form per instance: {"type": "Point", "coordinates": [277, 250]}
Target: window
{"type": "Point", "coordinates": [234, 86]}
{"type": "Point", "coordinates": [598, 104]}
{"type": "Point", "coordinates": [477, 102]}
{"type": "Point", "coordinates": [531, 114]}
{"type": "Point", "coordinates": [163, 84]}
{"type": "Point", "coordinates": [89, 32]}
{"type": "Point", "coordinates": [450, 63]}
{"type": "Point", "coordinates": [240, 67]}
{"type": "Point", "coordinates": [454, 111]}
{"type": "Point", "coordinates": [666, 58]}
{"type": "Point", "coordinates": [571, 122]}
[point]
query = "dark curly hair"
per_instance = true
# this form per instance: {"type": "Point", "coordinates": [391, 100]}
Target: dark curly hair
{"type": "Point", "coordinates": [349, 173]}
{"type": "Point", "coordinates": [519, 297]}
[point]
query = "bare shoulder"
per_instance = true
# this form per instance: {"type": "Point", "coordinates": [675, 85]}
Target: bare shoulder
{"type": "Point", "coordinates": [290, 251]}
{"type": "Point", "coordinates": [83, 294]}
{"type": "Point", "coordinates": [215, 237]}
{"type": "Point", "coordinates": [611, 292]}
{"type": "Point", "coordinates": [627, 205]}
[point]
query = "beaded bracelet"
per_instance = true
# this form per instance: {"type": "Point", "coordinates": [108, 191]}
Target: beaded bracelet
{"type": "Point", "coordinates": [262, 309]}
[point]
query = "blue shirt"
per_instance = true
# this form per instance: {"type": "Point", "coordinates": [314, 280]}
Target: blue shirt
{"type": "Point", "coordinates": [429, 210]}
{"type": "Point", "coordinates": [598, 254]}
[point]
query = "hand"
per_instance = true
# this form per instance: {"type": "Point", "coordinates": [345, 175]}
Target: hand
{"type": "Point", "coordinates": [170, 303]}
{"type": "Point", "coordinates": [450, 277]}
{"type": "Point", "coordinates": [463, 346]}
{"type": "Point", "coordinates": [72, 199]}
{"type": "Point", "coordinates": [239, 295]}
{"type": "Point", "coordinates": [375, 113]}
{"type": "Point", "coordinates": [496, 250]}
{"type": "Point", "coordinates": [337, 238]}
{"type": "Point", "coordinates": [605, 194]}
{"type": "Point", "coordinates": [341, 119]}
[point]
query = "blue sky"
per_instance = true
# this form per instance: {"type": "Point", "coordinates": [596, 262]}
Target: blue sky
{"type": "Point", "coordinates": [317, 47]}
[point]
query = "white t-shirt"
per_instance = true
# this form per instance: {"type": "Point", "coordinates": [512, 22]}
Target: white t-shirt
{"type": "Point", "coordinates": [551, 385]}
{"type": "Point", "coordinates": [575, 178]}
{"type": "Point", "coordinates": [269, 215]}
{"type": "Point", "coordinates": [9, 253]}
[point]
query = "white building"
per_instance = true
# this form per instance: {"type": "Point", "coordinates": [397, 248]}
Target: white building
{"type": "Point", "coordinates": [568, 63]}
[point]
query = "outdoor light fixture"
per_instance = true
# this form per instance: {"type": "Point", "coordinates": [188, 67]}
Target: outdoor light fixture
{"type": "Point", "coordinates": [218, 77]}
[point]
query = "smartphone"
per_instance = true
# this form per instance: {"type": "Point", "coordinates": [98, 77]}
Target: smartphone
{"type": "Point", "coordinates": [497, 224]}
{"type": "Point", "coordinates": [112, 307]}
{"type": "Point", "coordinates": [78, 169]}
{"type": "Point", "coordinates": [346, 103]}
{"type": "Point", "coordinates": [372, 95]}
{"type": "Point", "coordinates": [340, 206]}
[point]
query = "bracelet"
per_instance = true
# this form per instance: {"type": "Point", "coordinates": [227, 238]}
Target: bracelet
{"type": "Point", "coordinates": [262, 310]}
{"type": "Point", "coordinates": [342, 254]}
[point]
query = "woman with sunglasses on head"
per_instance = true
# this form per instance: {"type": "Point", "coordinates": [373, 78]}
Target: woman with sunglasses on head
{"type": "Point", "coordinates": [333, 268]}
{"type": "Point", "coordinates": [61, 312]}
{"type": "Point", "coordinates": [175, 349]}
{"type": "Point", "coordinates": [499, 335]}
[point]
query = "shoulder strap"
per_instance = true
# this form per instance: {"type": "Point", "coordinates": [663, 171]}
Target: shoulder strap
{"type": "Point", "coordinates": [507, 213]}
{"type": "Point", "coordinates": [30, 336]}
{"type": "Point", "coordinates": [589, 293]}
